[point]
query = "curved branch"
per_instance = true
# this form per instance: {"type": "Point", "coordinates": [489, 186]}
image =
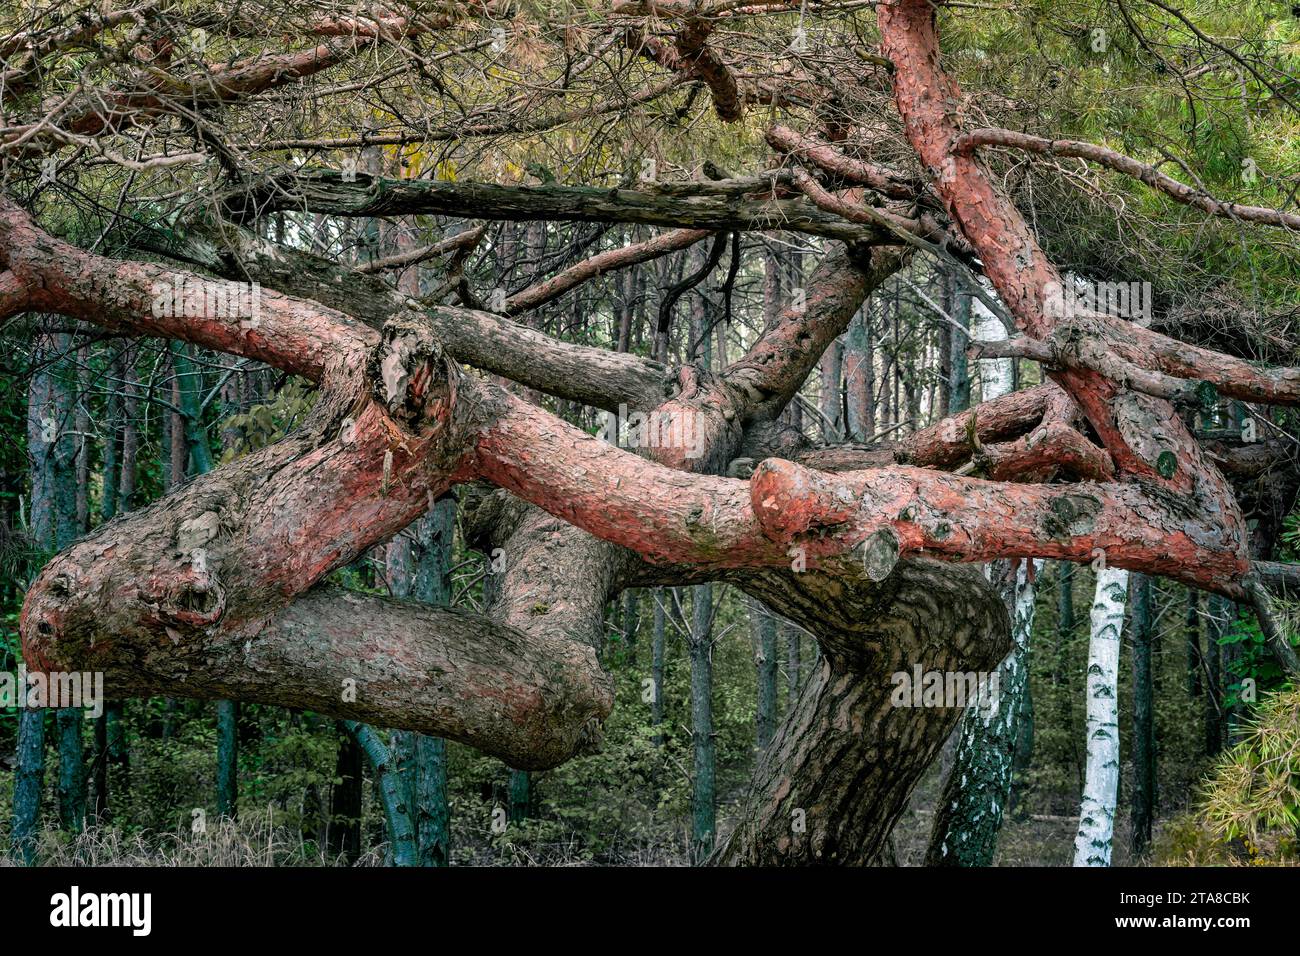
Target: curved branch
{"type": "Point", "coordinates": [823, 155]}
{"type": "Point", "coordinates": [598, 265]}
{"type": "Point", "coordinates": [768, 375]}
{"type": "Point", "coordinates": [144, 299]}
{"type": "Point", "coordinates": [702, 61]}
{"type": "Point", "coordinates": [1174, 189]}
{"type": "Point", "coordinates": [533, 700]}
{"type": "Point", "coordinates": [461, 242]}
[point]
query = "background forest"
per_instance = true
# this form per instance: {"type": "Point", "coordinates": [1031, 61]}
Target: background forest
{"type": "Point", "coordinates": [1209, 726]}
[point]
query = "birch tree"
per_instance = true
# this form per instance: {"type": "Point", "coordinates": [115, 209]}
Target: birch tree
{"type": "Point", "coordinates": [1096, 834]}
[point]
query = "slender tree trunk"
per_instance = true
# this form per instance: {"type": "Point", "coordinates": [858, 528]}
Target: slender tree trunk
{"type": "Point", "coordinates": [1229, 675]}
{"type": "Point", "coordinates": [1192, 626]}
{"type": "Point", "coordinates": [997, 376]}
{"type": "Point", "coordinates": [118, 754]}
{"type": "Point", "coordinates": [420, 567]}
{"type": "Point", "coordinates": [1092, 844]}
{"type": "Point", "coordinates": [1024, 753]}
{"type": "Point", "coordinates": [115, 767]}
{"type": "Point", "coordinates": [703, 777]}
{"type": "Point", "coordinates": [398, 561]}
{"type": "Point", "coordinates": [631, 622]}
{"type": "Point", "coordinates": [519, 796]}
{"type": "Point", "coordinates": [344, 834]}
{"type": "Point", "coordinates": [657, 664]}
{"type": "Point", "coordinates": [762, 627]}
{"type": "Point", "coordinates": [1144, 737]}
{"type": "Point", "coordinates": [227, 758]}
{"type": "Point", "coordinates": [1062, 675]}
{"type": "Point", "coordinates": [773, 287]}
{"type": "Point", "coordinates": [831, 402]}
{"type": "Point", "coordinates": [130, 435]}
{"type": "Point", "coordinates": [627, 283]}
{"type": "Point", "coordinates": [111, 470]}
{"type": "Point", "coordinates": [397, 813]}
{"type": "Point", "coordinates": [28, 782]}
{"type": "Point", "coordinates": [793, 665]}
{"type": "Point", "coordinates": [857, 378]}
{"type": "Point", "coordinates": [1219, 609]}
{"type": "Point", "coordinates": [72, 770]}
{"type": "Point", "coordinates": [102, 812]}
{"type": "Point", "coordinates": [51, 449]}
{"type": "Point", "coordinates": [433, 815]}
{"type": "Point", "coordinates": [178, 448]}
{"type": "Point", "coordinates": [978, 787]}
{"type": "Point", "coordinates": [959, 382]}
{"type": "Point", "coordinates": [911, 394]}
{"type": "Point", "coordinates": [945, 334]}
{"type": "Point", "coordinates": [83, 439]}
{"type": "Point", "coordinates": [190, 381]}
{"type": "Point", "coordinates": [1064, 619]}
{"type": "Point", "coordinates": [433, 546]}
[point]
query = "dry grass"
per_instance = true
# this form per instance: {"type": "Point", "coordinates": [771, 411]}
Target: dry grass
{"type": "Point", "coordinates": [251, 841]}
{"type": "Point", "coordinates": [255, 841]}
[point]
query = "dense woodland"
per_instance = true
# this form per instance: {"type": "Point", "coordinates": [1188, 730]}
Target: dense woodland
{"type": "Point", "coordinates": [566, 433]}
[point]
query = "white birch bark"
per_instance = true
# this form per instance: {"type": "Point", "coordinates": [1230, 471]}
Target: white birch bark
{"type": "Point", "coordinates": [996, 375]}
{"type": "Point", "coordinates": [1092, 844]}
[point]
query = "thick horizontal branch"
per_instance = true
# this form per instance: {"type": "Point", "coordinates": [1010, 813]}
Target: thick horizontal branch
{"type": "Point", "coordinates": [1051, 450]}
{"type": "Point", "coordinates": [593, 376]}
{"type": "Point", "coordinates": [531, 700]}
{"type": "Point", "coordinates": [949, 442]}
{"type": "Point", "coordinates": [728, 205]}
{"type": "Point", "coordinates": [968, 519]}
{"type": "Point", "coordinates": [144, 299]}
{"type": "Point", "coordinates": [1231, 376]}
{"type": "Point", "coordinates": [672, 517]}
{"type": "Point", "coordinates": [1025, 436]}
